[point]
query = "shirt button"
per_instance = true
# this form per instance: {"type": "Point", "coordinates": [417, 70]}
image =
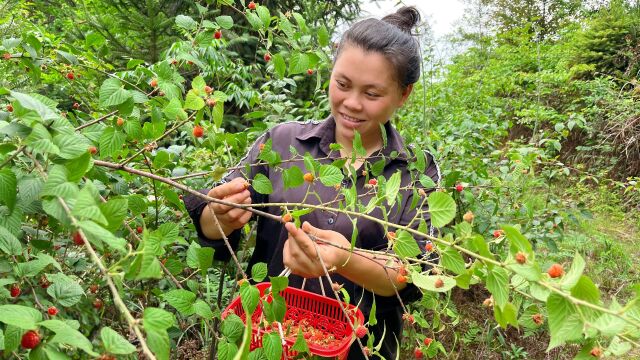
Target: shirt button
{"type": "Point", "coordinates": [330, 221]}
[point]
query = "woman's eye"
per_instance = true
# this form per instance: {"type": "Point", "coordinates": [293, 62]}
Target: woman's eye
{"type": "Point", "coordinates": [372, 95]}
{"type": "Point", "coordinates": [340, 84]}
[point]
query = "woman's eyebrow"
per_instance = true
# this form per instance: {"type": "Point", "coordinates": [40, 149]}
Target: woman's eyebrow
{"type": "Point", "coordinates": [373, 85]}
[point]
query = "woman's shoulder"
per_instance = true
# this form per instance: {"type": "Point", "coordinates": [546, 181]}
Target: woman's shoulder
{"type": "Point", "coordinates": [293, 128]}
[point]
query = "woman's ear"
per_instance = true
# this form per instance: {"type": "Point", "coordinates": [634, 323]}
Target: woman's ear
{"type": "Point", "coordinates": [405, 94]}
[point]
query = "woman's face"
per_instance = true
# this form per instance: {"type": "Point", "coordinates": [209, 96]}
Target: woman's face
{"type": "Point", "coordinates": [364, 94]}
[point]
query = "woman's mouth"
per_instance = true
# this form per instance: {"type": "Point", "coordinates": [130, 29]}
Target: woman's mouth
{"type": "Point", "coordinates": [350, 119]}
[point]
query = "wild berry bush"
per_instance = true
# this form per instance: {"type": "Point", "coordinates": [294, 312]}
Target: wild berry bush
{"type": "Point", "coordinates": [98, 258]}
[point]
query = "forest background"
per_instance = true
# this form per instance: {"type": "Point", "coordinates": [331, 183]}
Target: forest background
{"type": "Point", "coordinates": [534, 122]}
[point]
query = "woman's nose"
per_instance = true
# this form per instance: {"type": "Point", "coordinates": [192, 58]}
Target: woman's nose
{"type": "Point", "coordinates": [352, 101]}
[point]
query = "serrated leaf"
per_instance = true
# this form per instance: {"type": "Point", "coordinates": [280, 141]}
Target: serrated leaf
{"type": "Point", "coordinates": [272, 346]}
{"type": "Point", "coordinates": [115, 343]}
{"type": "Point", "coordinates": [202, 309]}
{"type": "Point", "coordinates": [86, 207]}
{"type": "Point", "coordinates": [442, 208]}
{"type": "Point", "coordinates": [264, 14]}
{"type": "Point", "coordinates": [405, 245]}
{"type": "Point", "coordinates": [20, 316]}
{"type": "Point", "coordinates": [323, 36]}
{"type": "Point", "coordinates": [452, 260]}
{"type": "Point", "coordinates": [498, 285]}
{"type": "Point", "coordinates": [182, 300]}
{"type": "Point", "coordinates": [330, 175]}
{"type": "Point", "coordinates": [298, 63]}
{"type": "Point", "coordinates": [506, 315]}
{"type": "Point", "coordinates": [575, 272]}
{"type": "Point", "coordinates": [427, 282]}
{"type": "Point", "coordinates": [115, 211]}
{"type": "Point", "coordinates": [111, 142]}
{"type": "Point", "coordinates": [292, 177]}
{"type": "Point", "coordinates": [259, 271]}
{"type": "Point", "coordinates": [173, 110]}
{"type": "Point", "coordinates": [157, 319]}
{"type": "Point", "coordinates": [232, 327]}
{"type": "Point", "coordinates": [254, 20]}
{"type": "Point", "coordinates": [65, 293]}
{"type": "Point", "coordinates": [8, 188]}
{"type": "Point", "coordinates": [193, 101]}
{"type": "Point", "coordinates": [249, 296]}
{"type": "Point", "coordinates": [225, 22]}
{"type": "Point", "coordinates": [33, 103]}
{"type": "Point", "coordinates": [518, 241]}
{"type": "Point", "coordinates": [64, 334]}
{"type": "Point", "coordinates": [262, 184]}
{"type": "Point", "coordinates": [392, 187]}
{"type": "Point", "coordinates": [112, 93]}
{"type": "Point", "coordinates": [564, 321]}
{"type": "Point", "coordinates": [279, 65]}
{"type": "Point", "coordinates": [186, 22]}
{"type": "Point", "coordinates": [97, 234]}
{"type": "Point", "coordinates": [9, 244]}
{"type": "Point", "coordinates": [71, 146]}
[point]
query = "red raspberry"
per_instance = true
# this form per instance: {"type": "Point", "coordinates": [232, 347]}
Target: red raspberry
{"type": "Point", "coordinates": [555, 271]}
{"type": "Point", "coordinates": [537, 319]}
{"type": "Point", "coordinates": [30, 339]}
{"type": "Point", "coordinates": [6, 56]}
{"type": "Point", "coordinates": [52, 310]}
{"type": "Point", "coordinates": [459, 188]}
{"type": "Point", "coordinates": [401, 279]}
{"type": "Point", "coordinates": [154, 82]}
{"type": "Point", "coordinates": [417, 353]}
{"type": "Point", "coordinates": [98, 303]}
{"type": "Point", "coordinates": [438, 283]}
{"type": "Point", "coordinates": [139, 229]}
{"type": "Point", "coordinates": [198, 131]}
{"type": "Point", "coordinates": [391, 235]}
{"type": "Point", "coordinates": [596, 352]}
{"type": "Point", "coordinates": [267, 57]}
{"type": "Point", "coordinates": [521, 258]}
{"type": "Point", "coordinates": [252, 5]}
{"type": "Point", "coordinates": [427, 341]}
{"type": "Point", "coordinates": [15, 290]}
{"type": "Point", "coordinates": [120, 121]}
{"type": "Point", "coordinates": [361, 331]}
{"type": "Point", "coordinates": [208, 89]}
{"type": "Point", "coordinates": [76, 106]}
{"type": "Point", "coordinates": [10, 108]}
{"type": "Point", "coordinates": [373, 182]}
{"type": "Point", "coordinates": [218, 34]}
{"type": "Point", "coordinates": [77, 238]}
{"type": "Point", "coordinates": [93, 288]}
{"type": "Point", "coordinates": [309, 71]}
{"type": "Point", "coordinates": [497, 233]}
{"type": "Point", "coordinates": [408, 317]}
{"type": "Point", "coordinates": [92, 150]}
{"type": "Point", "coordinates": [429, 247]}
{"type": "Point", "coordinates": [70, 76]}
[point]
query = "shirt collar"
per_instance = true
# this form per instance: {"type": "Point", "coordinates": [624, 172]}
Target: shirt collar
{"type": "Point", "coordinates": [326, 134]}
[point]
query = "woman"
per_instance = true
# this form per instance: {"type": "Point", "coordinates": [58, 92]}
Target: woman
{"type": "Point", "coordinates": [376, 65]}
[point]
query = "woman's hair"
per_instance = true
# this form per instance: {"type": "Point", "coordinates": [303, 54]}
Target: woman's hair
{"type": "Point", "coordinates": [392, 38]}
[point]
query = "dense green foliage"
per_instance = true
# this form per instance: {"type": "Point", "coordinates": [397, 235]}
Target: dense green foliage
{"type": "Point", "coordinates": [535, 127]}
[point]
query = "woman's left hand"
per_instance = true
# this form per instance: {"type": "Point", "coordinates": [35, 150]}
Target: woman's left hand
{"type": "Point", "coordinates": [300, 254]}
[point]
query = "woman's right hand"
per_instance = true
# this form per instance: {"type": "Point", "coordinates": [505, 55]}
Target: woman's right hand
{"type": "Point", "coordinates": [229, 217]}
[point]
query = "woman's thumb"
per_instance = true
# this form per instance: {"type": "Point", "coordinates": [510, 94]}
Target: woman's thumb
{"type": "Point", "coordinates": [309, 229]}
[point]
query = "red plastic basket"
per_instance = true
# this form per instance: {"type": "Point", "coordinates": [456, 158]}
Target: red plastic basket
{"type": "Point", "coordinates": [321, 312]}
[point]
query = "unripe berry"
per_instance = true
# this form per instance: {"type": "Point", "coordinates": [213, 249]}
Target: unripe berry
{"type": "Point", "coordinates": [596, 352]}
{"type": "Point", "coordinates": [218, 34]}
{"type": "Point", "coordinates": [391, 235]}
{"type": "Point", "coordinates": [76, 106]}
{"type": "Point", "coordinates": [521, 258]}
{"type": "Point", "coordinates": [15, 290]}
{"type": "Point", "coordinates": [92, 150]}
{"type": "Point", "coordinates": [555, 271]}
{"type": "Point", "coordinates": [308, 177]}
{"type": "Point", "coordinates": [30, 339]}
{"type": "Point", "coordinates": [267, 57]}
{"type": "Point", "coordinates": [537, 319]}
{"type": "Point", "coordinates": [120, 121]}
{"type": "Point", "coordinates": [361, 331]}
{"type": "Point", "coordinates": [421, 192]}
{"type": "Point", "coordinates": [211, 102]}
{"type": "Point", "coordinates": [408, 317]}
{"type": "Point", "coordinates": [52, 310]}
{"type": "Point", "coordinates": [261, 147]}
{"type": "Point", "coordinates": [154, 82]}
{"type": "Point", "coordinates": [287, 217]}
{"type": "Point", "coordinates": [252, 5]}
{"type": "Point", "coordinates": [429, 247]}
{"type": "Point", "coordinates": [401, 279]}
{"type": "Point", "coordinates": [438, 283]}
{"type": "Point", "coordinates": [208, 89]}
{"type": "Point", "coordinates": [468, 217]}
{"type": "Point", "coordinates": [488, 302]}
{"type": "Point", "coordinates": [6, 56]}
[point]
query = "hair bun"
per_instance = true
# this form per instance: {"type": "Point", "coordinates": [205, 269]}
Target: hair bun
{"type": "Point", "coordinates": [406, 18]}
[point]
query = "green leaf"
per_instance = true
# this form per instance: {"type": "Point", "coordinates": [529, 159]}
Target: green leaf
{"type": "Point", "coordinates": [86, 207]}
{"type": "Point", "coordinates": [298, 63]}
{"type": "Point", "coordinates": [115, 343]}
{"type": "Point", "coordinates": [575, 272]}
{"type": "Point", "coordinates": [68, 336]}
{"type": "Point", "coordinates": [79, 166]}
{"type": "Point", "coordinates": [564, 321]}
{"type": "Point", "coordinates": [186, 22]}
{"type": "Point", "coordinates": [173, 110]}
{"type": "Point", "coordinates": [262, 184]}
{"type": "Point", "coordinates": [529, 271]}
{"type": "Point", "coordinates": [507, 315]}
{"type": "Point", "coordinates": [33, 103]}
{"type": "Point", "coordinates": [586, 290]}
{"type": "Point", "coordinates": [452, 260]}
{"type": "Point", "coordinates": [9, 244]}
{"type": "Point", "coordinates": [225, 22]}
{"type": "Point", "coordinates": [279, 65]}
{"type": "Point", "coordinates": [182, 300]}
{"type": "Point", "coordinates": [292, 177]}
{"type": "Point", "coordinates": [41, 141]}
{"type": "Point", "coordinates": [610, 325]}
{"type": "Point", "coordinates": [427, 182]}
{"type": "Point", "coordinates": [498, 285]}
{"type": "Point", "coordinates": [57, 184]}
{"type": "Point", "coordinates": [272, 346]}
{"type": "Point", "coordinates": [193, 101]}
{"type": "Point", "coordinates": [97, 234]}
{"type": "Point", "coordinates": [111, 142]}
{"type": "Point", "coordinates": [427, 282]}
{"type": "Point", "coordinates": [201, 308]}
{"type": "Point", "coordinates": [232, 327]}
{"type": "Point", "coordinates": [159, 343]}
{"type": "Point", "coordinates": [254, 20]}
{"type": "Point", "coordinates": [259, 271]}
{"type": "Point", "coordinates": [330, 175]}
{"type": "Point", "coordinates": [392, 187]}
{"type": "Point", "coordinates": [8, 188]}
{"type": "Point", "coordinates": [112, 93]}
{"type": "Point", "coordinates": [249, 296]}
{"type": "Point", "coordinates": [323, 36]}
{"type": "Point", "coordinates": [155, 319]}
{"type": "Point", "coordinates": [518, 241]}
{"type": "Point", "coordinates": [66, 293]}
{"type": "Point", "coordinates": [405, 245]}
{"type": "Point", "coordinates": [278, 283]}
{"type": "Point", "coordinates": [442, 208]}
{"type": "Point", "coordinates": [264, 14]}
{"type": "Point", "coordinates": [23, 317]}
{"type": "Point", "coordinates": [71, 146]}
{"type": "Point", "coordinates": [115, 211]}
{"type": "Point", "coordinates": [300, 346]}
